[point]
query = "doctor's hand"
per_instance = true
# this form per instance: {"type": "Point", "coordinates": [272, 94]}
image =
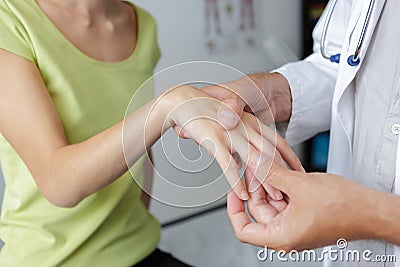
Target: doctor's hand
{"type": "Point", "coordinates": [266, 95]}
{"type": "Point", "coordinates": [317, 210]}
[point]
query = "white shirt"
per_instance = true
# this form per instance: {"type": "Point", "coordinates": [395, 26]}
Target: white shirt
{"type": "Point", "coordinates": [360, 104]}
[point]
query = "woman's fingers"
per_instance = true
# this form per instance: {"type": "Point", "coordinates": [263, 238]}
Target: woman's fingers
{"type": "Point", "coordinates": [265, 149]}
{"type": "Point", "coordinates": [258, 205]}
{"type": "Point", "coordinates": [256, 158]}
{"type": "Point", "coordinates": [215, 141]}
{"type": "Point", "coordinates": [254, 149]}
{"type": "Point", "coordinates": [230, 112]}
{"type": "Point", "coordinates": [180, 131]}
{"type": "Point", "coordinates": [288, 154]}
{"type": "Point", "coordinates": [238, 160]}
{"type": "Point", "coordinates": [229, 168]}
{"type": "Point", "coordinates": [279, 143]}
{"type": "Point", "coordinates": [247, 151]}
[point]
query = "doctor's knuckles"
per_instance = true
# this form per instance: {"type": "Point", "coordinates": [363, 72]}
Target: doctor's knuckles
{"type": "Point", "coordinates": [267, 95]}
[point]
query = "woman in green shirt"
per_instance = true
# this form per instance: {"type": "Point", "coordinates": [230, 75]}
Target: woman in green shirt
{"type": "Point", "coordinates": [68, 70]}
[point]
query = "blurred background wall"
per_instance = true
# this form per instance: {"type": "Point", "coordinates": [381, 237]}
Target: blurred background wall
{"type": "Point", "coordinates": [189, 30]}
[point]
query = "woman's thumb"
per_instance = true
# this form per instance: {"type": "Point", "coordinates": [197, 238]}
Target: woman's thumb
{"type": "Point", "coordinates": [230, 112]}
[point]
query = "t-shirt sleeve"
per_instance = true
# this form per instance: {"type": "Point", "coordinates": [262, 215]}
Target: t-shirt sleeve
{"type": "Point", "coordinates": [13, 35]}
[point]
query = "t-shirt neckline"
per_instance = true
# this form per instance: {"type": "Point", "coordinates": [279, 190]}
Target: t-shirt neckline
{"type": "Point", "coordinates": [84, 55]}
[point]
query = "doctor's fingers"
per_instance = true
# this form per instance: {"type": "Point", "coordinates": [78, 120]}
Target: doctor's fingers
{"type": "Point", "coordinates": [264, 192]}
{"type": "Point", "coordinates": [246, 231]}
{"type": "Point", "coordinates": [254, 184]}
{"type": "Point", "coordinates": [243, 88]}
{"type": "Point", "coordinates": [232, 106]}
{"type": "Point", "coordinates": [265, 116]}
{"type": "Point", "coordinates": [259, 203]}
{"type": "Point", "coordinates": [287, 181]}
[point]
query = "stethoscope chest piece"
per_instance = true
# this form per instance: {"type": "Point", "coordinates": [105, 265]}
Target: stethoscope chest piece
{"type": "Point", "coordinates": [350, 60]}
{"type": "Point", "coordinates": [353, 60]}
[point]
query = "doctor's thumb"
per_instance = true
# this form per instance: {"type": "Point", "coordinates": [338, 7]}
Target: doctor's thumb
{"type": "Point", "coordinates": [230, 112]}
{"type": "Point", "coordinates": [277, 176]}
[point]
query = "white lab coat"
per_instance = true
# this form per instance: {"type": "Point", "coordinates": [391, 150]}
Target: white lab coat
{"type": "Point", "coordinates": [322, 100]}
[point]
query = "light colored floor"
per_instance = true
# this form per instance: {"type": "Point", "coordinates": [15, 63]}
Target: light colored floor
{"type": "Point", "coordinates": [209, 241]}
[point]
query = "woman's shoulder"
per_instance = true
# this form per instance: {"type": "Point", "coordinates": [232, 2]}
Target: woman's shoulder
{"type": "Point", "coordinates": [6, 13]}
{"type": "Point", "coordinates": [13, 33]}
{"type": "Point", "coordinates": [148, 35]}
{"type": "Point", "coordinates": [144, 16]}
{"type": "Point", "coordinates": [12, 8]}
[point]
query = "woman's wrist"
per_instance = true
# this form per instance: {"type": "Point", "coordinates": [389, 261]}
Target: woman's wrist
{"type": "Point", "coordinates": [169, 102]}
{"type": "Point", "coordinates": [165, 105]}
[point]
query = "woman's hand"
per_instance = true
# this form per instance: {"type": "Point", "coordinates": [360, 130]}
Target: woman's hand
{"type": "Point", "coordinates": [196, 112]}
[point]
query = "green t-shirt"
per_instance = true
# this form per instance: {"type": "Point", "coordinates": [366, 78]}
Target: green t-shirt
{"type": "Point", "coordinates": [110, 227]}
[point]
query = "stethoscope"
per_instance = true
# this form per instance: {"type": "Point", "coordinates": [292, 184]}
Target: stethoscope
{"type": "Point", "coordinates": [354, 59]}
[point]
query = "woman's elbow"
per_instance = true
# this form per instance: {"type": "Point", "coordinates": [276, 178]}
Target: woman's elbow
{"type": "Point", "coordinates": [60, 196]}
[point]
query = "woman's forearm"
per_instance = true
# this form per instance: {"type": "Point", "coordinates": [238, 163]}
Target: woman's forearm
{"type": "Point", "coordinates": [148, 181]}
{"type": "Point", "coordinates": [65, 173]}
{"type": "Point", "coordinates": [73, 172]}
{"type": "Point", "coordinates": [76, 171]}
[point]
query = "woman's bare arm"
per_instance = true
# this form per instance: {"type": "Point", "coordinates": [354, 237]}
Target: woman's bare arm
{"type": "Point", "coordinates": [29, 121]}
{"type": "Point", "coordinates": [148, 180]}
{"type": "Point", "coordinates": [67, 173]}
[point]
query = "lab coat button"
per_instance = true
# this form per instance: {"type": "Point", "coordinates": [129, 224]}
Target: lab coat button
{"type": "Point", "coordinates": [396, 129]}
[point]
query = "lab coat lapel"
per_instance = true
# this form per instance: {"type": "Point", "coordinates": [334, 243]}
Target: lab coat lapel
{"type": "Point", "coordinates": [347, 72]}
{"type": "Point", "coordinates": [343, 97]}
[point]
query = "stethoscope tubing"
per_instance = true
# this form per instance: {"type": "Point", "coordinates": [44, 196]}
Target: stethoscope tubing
{"type": "Point", "coordinates": [354, 59]}
{"type": "Point", "coordinates": [329, 14]}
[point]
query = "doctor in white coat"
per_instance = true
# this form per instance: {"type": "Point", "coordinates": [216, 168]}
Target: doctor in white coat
{"type": "Point", "coordinates": [359, 101]}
